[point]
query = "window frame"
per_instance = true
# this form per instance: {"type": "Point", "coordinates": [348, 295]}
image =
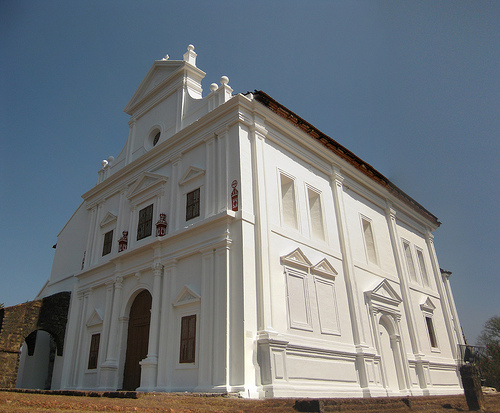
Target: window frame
{"type": "Point", "coordinates": [143, 224]}
{"type": "Point", "coordinates": [190, 213]}
{"type": "Point", "coordinates": [189, 358]}
{"type": "Point", "coordinates": [93, 360]}
{"type": "Point", "coordinates": [285, 219]}
{"type": "Point", "coordinates": [369, 221]}
{"type": "Point", "coordinates": [107, 244]}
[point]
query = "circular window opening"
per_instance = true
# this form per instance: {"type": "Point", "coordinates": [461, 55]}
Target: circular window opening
{"type": "Point", "coordinates": [156, 138]}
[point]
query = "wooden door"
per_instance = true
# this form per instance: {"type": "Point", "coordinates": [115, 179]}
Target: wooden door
{"type": "Point", "coordinates": [137, 340]}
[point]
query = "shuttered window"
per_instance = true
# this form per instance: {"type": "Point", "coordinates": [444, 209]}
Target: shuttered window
{"type": "Point", "coordinates": [188, 339]}
{"type": "Point", "coordinates": [108, 243]}
{"type": "Point", "coordinates": [94, 351]}
{"type": "Point", "coordinates": [193, 204]}
{"type": "Point", "coordinates": [145, 225]}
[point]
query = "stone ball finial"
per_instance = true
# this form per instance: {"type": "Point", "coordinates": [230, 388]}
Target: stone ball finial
{"type": "Point", "coordinates": [224, 80]}
{"type": "Point", "coordinates": [111, 158]}
{"type": "Point", "coordinates": [104, 163]}
{"type": "Point", "coordinates": [214, 87]}
{"type": "Point", "coordinates": [190, 47]}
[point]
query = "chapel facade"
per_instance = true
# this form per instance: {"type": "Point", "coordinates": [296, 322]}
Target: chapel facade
{"type": "Point", "coordinates": [233, 247]}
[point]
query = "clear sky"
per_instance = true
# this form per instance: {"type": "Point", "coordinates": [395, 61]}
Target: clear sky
{"type": "Point", "coordinates": [413, 88]}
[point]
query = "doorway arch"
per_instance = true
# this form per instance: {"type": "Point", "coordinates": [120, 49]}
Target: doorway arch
{"type": "Point", "coordinates": [137, 340]}
{"type": "Point", "coordinates": [36, 364]}
{"type": "Point", "coordinates": [389, 349]}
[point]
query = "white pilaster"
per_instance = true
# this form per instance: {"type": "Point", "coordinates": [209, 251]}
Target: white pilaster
{"type": "Point", "coordinates": [149, 366]}
{"type": "Point", "coordinates": [349, 276]}
{"type": "Point", "coordinates": [166, 320]}
{"type": "Point", "coordinates": [205, 358]}
{"type": "Point", "coordinates": [405, 292]}
{"type": "Point", "coordinates": [264, 303]}
{"type": "Point", "coordinates": [109, 369]}
{"type": "Point", "coordinates": [442, 294]}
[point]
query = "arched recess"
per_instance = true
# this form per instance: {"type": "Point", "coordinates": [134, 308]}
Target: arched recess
{"type": "Point", "coordinates": [49, 314]}
{"type": "Point", "coordinates": [385, 315]}
{"type": "Point", "coordinates": [36, 364]}
{"type": "Point", "coordinates": [137, 339]}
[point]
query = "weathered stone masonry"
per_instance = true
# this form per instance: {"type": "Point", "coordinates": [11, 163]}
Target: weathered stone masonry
{"type": "Point", "coordinates": [18, 322]}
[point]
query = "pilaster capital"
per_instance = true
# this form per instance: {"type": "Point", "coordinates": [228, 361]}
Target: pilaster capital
{"type": "Point", "coordinates": [118, 282]}
{"type": "Point", "coordinates": [132, 122]}
{"type": "Point", "coordinates": [429, 236]}
{"type": "Point", "coordinates": [157, 269]}
{"type": "Point", "coordinates": [337, 177]}
{"type": "Point", "coordinates": [172, 263]}
{"type": "Point", "coordinates": [445, 274]}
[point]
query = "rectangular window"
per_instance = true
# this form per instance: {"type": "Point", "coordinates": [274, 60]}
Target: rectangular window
{"type": "Point", "coordinates": [145, 225]}
{"type": "Point", "coordinates": [369, 241]}
{"type": "Point", "coordinates": [288, 202]}
{"type": "Point", "coordinates": [430, 329]}
{"type": "Point", "coordinates": [94, 351]}
{"type": "Point", "coordinates": [409, 262]}
{"type": "Point", "coordinates": [423, 270]}
{"type": "Point", "coordinates": [108, 243]}
{"type": "Point", "coordinates": [193, 204]}
{"type": "Point", "coordinates": [315, 214]}
{"type": "Point", "coordinates": [188, 339]}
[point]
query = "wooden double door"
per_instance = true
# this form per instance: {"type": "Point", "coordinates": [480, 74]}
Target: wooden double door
{"type": "Point", "coordinates": [137, 340]}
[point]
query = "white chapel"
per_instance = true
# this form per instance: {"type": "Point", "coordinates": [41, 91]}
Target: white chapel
{"type": "Point", "coordinates": [233, 247]}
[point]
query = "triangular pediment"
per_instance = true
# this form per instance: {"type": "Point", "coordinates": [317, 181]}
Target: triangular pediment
{"type": "Point", "coordinates": [156, 78]}
{"type": "Point", "coordinates": [186, 296]}
{"type": "Point", "coordinates": [108, 219]}
{"type": "Point", "coordinates": [428, 305]}
{"type": "Point", "coordinates": [146, 181]}
{"type": "Point", "coordinates": [191, 174]}
{"type": "Point", "coordinates": [325, 268]}
{"type": "Point", "coordinates": [296, 258]}
{"type": "Point", "coordinates": [95, 318]}
{"type": "Point", "coordinates": [385, 293]}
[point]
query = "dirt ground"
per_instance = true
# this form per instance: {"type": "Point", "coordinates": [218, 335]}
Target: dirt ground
{"type": "Point", "coordinates": [188, 403]}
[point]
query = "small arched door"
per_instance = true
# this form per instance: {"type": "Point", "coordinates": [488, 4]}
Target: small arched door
{"type": "Point", "coordinates": [137, 340]}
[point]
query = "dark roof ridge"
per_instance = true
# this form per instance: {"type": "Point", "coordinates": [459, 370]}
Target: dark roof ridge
{"type": "Point", "coordinates": [341, 151]}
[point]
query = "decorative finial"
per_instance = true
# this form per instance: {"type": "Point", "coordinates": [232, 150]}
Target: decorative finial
{"type": "Point", "coordinates": [104, 163]}
{"type": "Point", "coordinates": [111, 158]}
{"type": "Point", "coordinates": [224, 80]}
{"type": "Point", "coordinates": [214, 87]}
{"type": "Point", "coordinates": [190, 55]}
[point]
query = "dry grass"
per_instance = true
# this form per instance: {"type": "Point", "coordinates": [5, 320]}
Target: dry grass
{"type": "Point", "coordinates": [165, 402]}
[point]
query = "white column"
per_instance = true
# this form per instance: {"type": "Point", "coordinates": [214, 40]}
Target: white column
{"type": "Point", "coordinates": [453, 308]}
{"type": "Point", "coordinates": [131, 140]}
{"type": "Point", "coordinates": [264, 303]}
{"type": "Point", "coordinates": [172, 219]}
{"type": "Point", "coordinates": [205, 358]}
{"type": "Point", "coordinates": [81, 352]}
{"type": "Point", "coordinates": [222, 197]}
{"type": "Point", "coordinates": [71, 345]}
{"type": "Point", "coordinates": [88, 250]}
{"type": "Point", "coordinates": [221, 332]}
{"type": "Point", "coordinates": [210, 177]}
{"type": "Point", "coordinates": [349, 276]}
{"type": "Point", "coordinates": [439, 283]}
{"type": "Point", "coordinates": [149, 366]}
{"type": "Point", "coordinates": [94, 255]}
{"type": "Point", "coordinates": [166, 326]}
{"type": "Point", "coordinates": [105, 327]}
{"type": "Point", "coordinates": [109, 370]}
{"type": "Point", "coordinates": [405, 292]}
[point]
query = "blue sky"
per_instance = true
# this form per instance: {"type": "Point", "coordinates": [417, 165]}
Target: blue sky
{"type": "Point", "coordinates": [413, 88]}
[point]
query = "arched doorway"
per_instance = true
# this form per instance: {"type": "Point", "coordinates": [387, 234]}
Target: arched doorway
{"type": "Point", "coordinates": [36, 363]}
{"type": "Point", "coordinates": [137, 340]}
{"type": "Point", "coordinates": [389, 353]}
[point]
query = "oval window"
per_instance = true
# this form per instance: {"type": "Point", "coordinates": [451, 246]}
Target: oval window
{"type": "Point", "coordinates": [156, 138]}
